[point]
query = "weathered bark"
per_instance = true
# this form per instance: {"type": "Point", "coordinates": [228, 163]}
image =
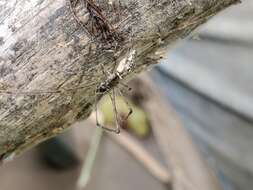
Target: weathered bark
{"type": "Point", "coordinates": [50, 67]}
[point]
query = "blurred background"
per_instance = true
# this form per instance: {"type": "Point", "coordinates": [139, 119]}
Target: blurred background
{"type": "Point", "coordinates": [207, 83]}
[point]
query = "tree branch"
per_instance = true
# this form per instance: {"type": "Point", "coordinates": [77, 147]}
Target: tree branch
{"type": "Point", "coordinates": [51, 65]}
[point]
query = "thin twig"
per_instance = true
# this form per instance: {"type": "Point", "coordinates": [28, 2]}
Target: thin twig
{"type": "Point", "coordinates": [144, 157]}
{"type": "Point", "coordinates": [90, 158]}
{"type": "Point", "coordinates": [188, 168]}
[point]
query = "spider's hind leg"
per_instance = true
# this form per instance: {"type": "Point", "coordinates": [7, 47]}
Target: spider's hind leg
{"type": "Point", "coordinates": [117, 130]}
{"type": "Point", "coordinates": [130, 110]}
{"type": "Point", "coordinates": [112, 97]}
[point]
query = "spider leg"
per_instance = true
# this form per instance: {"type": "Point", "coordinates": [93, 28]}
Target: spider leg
{"type": "Point", "coordinates": [117, 130]}
{"type": "Point", "coordinates": [130, 110]}
{"type": "Point", "coordinates": [112, 96]}
{"type": "Point", "coordinates": [73, 3]}
{"type": "Point", "coordinates": [125, 86]}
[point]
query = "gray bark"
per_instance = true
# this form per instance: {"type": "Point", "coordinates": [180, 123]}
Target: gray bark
{"type": "Point", "coordinates": [50, 67]}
